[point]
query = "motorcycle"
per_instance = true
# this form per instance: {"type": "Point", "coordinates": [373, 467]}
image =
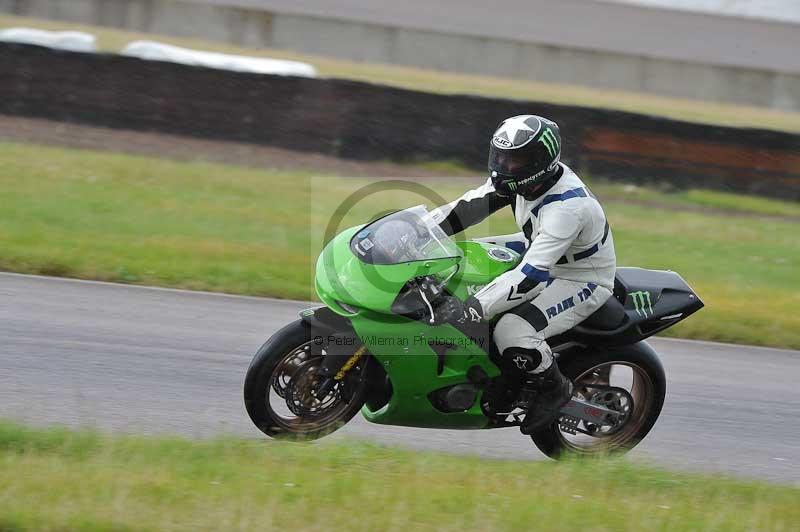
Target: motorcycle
{"type": "Point", "coordinates": [375, 347]}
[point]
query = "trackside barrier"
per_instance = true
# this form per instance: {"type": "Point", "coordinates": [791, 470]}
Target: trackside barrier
{"type": "Point", "coordinates": [371, 122]}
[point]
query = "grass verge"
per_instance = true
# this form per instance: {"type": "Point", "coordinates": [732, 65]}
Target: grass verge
{"type": "Point", "coordinates": [112, 40]}
{"type": "Point", "coordinates": [63, 480]}
{"type": "Point", "coordinates": [123, 218]}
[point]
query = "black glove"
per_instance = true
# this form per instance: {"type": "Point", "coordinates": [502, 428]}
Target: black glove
{"type": "Point", "coordinates": [449, 309]}
{"type": "Point", "coordinates": [452, 310]}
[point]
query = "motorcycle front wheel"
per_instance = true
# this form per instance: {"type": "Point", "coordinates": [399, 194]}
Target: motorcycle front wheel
{"type": "Point", "coordinates": [280, 384]}
{"type": "Point", "coordinates": [635, 369]}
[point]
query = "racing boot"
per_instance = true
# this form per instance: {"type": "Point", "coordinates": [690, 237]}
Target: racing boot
{"type": "Point", "coordinates": [544, 393]}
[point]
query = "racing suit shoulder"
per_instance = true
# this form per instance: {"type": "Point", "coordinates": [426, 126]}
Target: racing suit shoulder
{"type": "Point", "coordinates": [593, 245]}
{"type": "Point", "coordinates": [562, 220]}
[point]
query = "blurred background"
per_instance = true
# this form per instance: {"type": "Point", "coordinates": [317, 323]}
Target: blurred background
{"type": "Point", "coordinates": [611, 73]}
{"type": "Point", "coordinates": [684, 116]}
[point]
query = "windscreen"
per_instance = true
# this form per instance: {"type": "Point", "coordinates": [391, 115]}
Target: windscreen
{"type": "Point", "coordinates": [403, 236]}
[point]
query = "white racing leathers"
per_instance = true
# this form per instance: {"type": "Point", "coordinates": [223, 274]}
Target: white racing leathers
{"type": "Point", "coordinates": [567, 269]}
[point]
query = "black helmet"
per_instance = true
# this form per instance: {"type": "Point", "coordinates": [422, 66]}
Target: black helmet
{"type": "Point", "coordinates": [524, 154]}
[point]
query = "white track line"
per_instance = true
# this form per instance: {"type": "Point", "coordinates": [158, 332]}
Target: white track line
{"type": "Point", "coordinates": [156, 288]}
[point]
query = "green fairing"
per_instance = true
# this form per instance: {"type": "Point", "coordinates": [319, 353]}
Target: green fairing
{"type": "Point", "coordinates": [341, 276]}
{"type": "Point", "coordinates": [411, 365]}
{"type": "Point", "coordinates": [400, 344]}
{"type": "Point", "coordinates": [478, 268]}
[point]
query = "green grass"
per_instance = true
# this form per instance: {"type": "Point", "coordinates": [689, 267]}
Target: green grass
{"type": "Point", "coordinates": [699, 199]}
{"type": "Point", "coordinates": [62, 480]}
{"type": "Point", "coordinates": [113, 40]}
{"type": "Point", "coordinates": [141, 220]}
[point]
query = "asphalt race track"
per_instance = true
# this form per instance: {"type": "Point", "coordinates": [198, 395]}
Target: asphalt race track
{"type": "Point", "coordinates": [132, 359]}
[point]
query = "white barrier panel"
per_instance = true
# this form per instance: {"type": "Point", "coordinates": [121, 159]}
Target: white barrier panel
{"type": "Point", "coordinates": [155, 51]}
{"type": "Point", "coordinates": [73, 41]}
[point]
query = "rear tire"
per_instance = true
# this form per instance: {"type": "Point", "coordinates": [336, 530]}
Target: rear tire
{"type": "Point", "coordinates": [259, 387]}
{"type": "Point", "coordinates": [643, 361]}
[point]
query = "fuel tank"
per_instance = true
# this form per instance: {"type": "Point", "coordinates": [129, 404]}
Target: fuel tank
{"type": "Point", "coordinates": [481, 264]}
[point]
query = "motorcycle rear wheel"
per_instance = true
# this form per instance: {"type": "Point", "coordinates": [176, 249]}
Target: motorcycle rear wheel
{"type": "Point", "coordinates": [639, 365]}
{"type": "Point", "coordinates": [278, 385]}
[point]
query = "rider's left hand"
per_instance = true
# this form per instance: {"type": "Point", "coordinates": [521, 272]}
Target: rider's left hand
{"type": "Point", "coordinates": [473, 310]}
{"type": "Point", "coordinates": [452, 310]}
{"type": "Point", "coordinates": [449, 309]}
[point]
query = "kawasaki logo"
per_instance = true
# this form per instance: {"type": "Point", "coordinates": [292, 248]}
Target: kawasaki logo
{"type": "Point", "coordinates": [550, 142]}
{"type": "Point", "coordinates": [473, 289]}
{"type": "Point", "coordinates": [642, 303]}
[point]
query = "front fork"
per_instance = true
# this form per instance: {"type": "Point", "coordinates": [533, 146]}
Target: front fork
{"type": "Point", "coordinates": [334, 368]}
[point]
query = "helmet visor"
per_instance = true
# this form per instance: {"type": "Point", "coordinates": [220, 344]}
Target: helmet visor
{"type": "Point", "coordinates": [510, 162]}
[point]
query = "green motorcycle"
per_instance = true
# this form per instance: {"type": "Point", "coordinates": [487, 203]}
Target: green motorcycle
{"type": "Point", "coordinates": [375, 347]}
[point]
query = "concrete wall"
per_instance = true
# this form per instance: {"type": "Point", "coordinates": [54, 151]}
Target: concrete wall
{"type": "Point", "coordinates": [237, 23]}
{"type": "Point", "coordinates": [598, 25]}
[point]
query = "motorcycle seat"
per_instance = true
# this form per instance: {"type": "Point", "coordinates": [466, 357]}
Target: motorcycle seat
{"type": "Point", "coordinates": [608, 317]}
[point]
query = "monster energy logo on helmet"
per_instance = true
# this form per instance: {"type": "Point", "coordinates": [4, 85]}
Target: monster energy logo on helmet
{"type": "Point", "coordinates": [642, 303]}
{"type": "Point", "coordinates": [550, 141]}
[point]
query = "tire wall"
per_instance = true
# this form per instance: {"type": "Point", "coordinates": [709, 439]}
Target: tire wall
{"type": "Point", "coordinates": [370, 122]}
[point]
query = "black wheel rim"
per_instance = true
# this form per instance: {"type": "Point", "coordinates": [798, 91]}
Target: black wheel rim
{"type": "Point", "coordinates": [289, 399]}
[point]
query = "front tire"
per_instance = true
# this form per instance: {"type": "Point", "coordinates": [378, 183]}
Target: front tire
{"type": "Point", "coordinates": [277, 388]}
{"type": "Point", "coordinates": [648, 388]}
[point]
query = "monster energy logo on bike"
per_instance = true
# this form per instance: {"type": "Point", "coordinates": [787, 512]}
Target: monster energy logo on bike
{"type": "Point", "coordinates": [642, 303]}
{"type": "Point", "coordinates": [549, 141]}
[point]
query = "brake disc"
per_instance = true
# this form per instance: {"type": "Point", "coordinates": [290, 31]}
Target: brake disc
{"type": "Point", "coordinates": [287, 369]}
{"type": "Point", "coordinates": [300, 398]}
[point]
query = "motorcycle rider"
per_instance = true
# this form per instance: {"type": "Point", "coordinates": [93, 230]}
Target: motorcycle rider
{"type": "Point", "coordinates": [567, 268]}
